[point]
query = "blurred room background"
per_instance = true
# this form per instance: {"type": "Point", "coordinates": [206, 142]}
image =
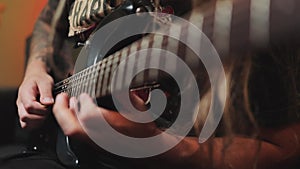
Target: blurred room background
{"type": "Point", "coordinates": [16, 23]}
{"type": "Point", "coordinates": [17, 18]}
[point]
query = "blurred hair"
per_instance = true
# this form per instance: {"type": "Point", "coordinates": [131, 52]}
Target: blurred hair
{"type": "Point", "coordinates": [262, 91]}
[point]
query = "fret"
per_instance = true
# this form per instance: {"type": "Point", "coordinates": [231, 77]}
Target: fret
{"type": "Point", "coordinates": [73, 84]}
{"type": "Point", "coordinates": [106, 77]}
{"type": "Point", "coordinates": [100, 80]}
{"type": "Point", "coordinates": [82, 82]}
{"type": "Point", "coordinates": [141, 61]}
{"type": "Point", "coordinates": [89, 81]}
{"type": "Point", "coordinates": [112, 69]}
{"type": "Point", "coordinates": [77, 84]}
{"type": "Point", "coordinates": [134, 47]}
{"type": "Point", "coordinates": [98, 85]}
{"type": "Point", "coordinates": [78, 79]}
{"type": "Point", "coordinates": [148, 59]}
{"type": "Point", "coordinates": [127, 74]}
{"type": "Point", "coordinates": [154, 61]}
{"type": "Point", "coordinates": [128, 71]}
{"type": "Point", "coordinates": [118, 73]}
{"type": "Point", "coordinates": [94, 80]}
{"type": "Point", "coordinates": [116, 62]}
{"type": "Point", "coordinates": [70, 87]}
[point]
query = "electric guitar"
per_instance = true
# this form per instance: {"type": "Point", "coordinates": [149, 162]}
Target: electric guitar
{"type": "Point", "coordinates": [234, 27]}
{"type": "Point", "coordinates": [93, 75]}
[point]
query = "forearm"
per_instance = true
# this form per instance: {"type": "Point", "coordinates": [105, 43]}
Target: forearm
{"type": "Point", "coordinates": [186, 154]}
{"type": "Point", "coordinates": [41, 50]}
{"type": "Point", "coordinates": [277, 149]}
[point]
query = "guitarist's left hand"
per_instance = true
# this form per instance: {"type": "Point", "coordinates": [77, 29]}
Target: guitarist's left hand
{"type": "Point", "coordinates": [68, 113]}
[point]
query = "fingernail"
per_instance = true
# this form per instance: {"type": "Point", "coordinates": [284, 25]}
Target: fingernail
{"type": "Point", "coordinates": [48, 100]}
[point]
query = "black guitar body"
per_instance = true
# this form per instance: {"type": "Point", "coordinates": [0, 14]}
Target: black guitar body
{"type": "Point", "coordinates": [76, 154]}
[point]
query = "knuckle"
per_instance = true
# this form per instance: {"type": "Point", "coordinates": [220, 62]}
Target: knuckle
{"type": "Point", "coordinates": [18, 102]}
{"type": "Point", "coordinates": [71, 131]}
{"type": "Point", "coordinates": [49, 79]}
{"type": "Point", "coordinates": [28, 106]}
{"type": "Point", "coordinates": [24, 118]}
{"type": "Point", "coordinates": [55, 108]}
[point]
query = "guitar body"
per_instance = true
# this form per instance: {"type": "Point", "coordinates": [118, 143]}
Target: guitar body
{"type": "Point", "coordinates": [76, 154]}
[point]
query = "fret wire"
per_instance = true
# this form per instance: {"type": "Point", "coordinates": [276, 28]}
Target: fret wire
{"type": "Point", "coordinates": [79, 74]}
{"type": "Point", "coordinates": [79, 87]}
{"type": "Point", "coordinates": [107, 69]}
{"type": "Point", "coordinates": [92, 82]}
{"type": "Point", "coordinates": [75, 85]}
{"type": "Point", "coordinates": [98, 78]}
{"type": "Point", "coordinates": [116, 62]}
{"type": "Point", "coordinates": [95, 74]}
{"type": "Point", "coordinates": [84, 79]}
{"type": "Point", "coordinates": [91, 77]}
{"type": "Point", "coordinates": [97, 70]}
{"type": "Point", "coordinates": [114, 65]}
{"type": "Point", "coordinates": [102, 75]}
{"type": "Point", "coordinates": [80, 82]}
{"type": "Point", "coordinates": [88, 82]}
{"type": "Point", "coordinates": [99, 88]}
{"type": "Point", "coordinates": [71, 88]}
{"type": "Point", "coordinates": [135, 47]}
{"type": "Point", "coordinates": [90, 88]}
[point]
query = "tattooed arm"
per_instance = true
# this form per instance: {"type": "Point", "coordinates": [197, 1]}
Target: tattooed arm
{"type": "Point", "coordinates": [35, 92]}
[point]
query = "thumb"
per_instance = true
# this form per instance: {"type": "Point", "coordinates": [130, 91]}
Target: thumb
{"type": "Point", "coordinates": [45, 89]}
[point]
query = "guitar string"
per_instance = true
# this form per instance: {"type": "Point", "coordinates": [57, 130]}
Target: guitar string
{"type": "Point", "coordinates": [98, 69]}
{"type": "Point", "coordinates": [109, 58]}
{"type": "Point", "coordinates": [72, 78]}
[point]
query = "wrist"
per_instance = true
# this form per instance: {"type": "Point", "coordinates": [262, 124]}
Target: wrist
{"type": "Point", "coordinates": [180, 156]}
{"type": "Point", "coordinates": [37, 65]}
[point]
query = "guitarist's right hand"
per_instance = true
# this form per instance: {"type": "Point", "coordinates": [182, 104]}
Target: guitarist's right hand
{"type": "Point", "coordinates": [35, 95]}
